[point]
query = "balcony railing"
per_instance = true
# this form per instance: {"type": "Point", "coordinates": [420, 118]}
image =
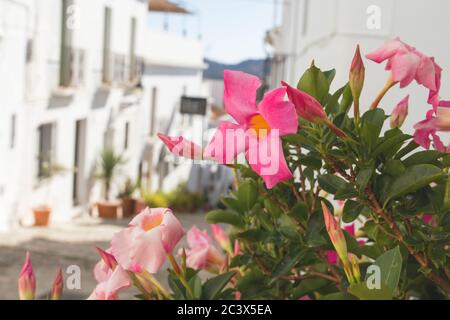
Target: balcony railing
{"type": "Point", "coordinates": [72, 67]}
{"type": "Point", "coordinates": [121, 69]}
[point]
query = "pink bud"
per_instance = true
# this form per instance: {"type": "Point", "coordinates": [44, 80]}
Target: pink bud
{"type": "Point", "coordinates": [335, 233]}
{"type": "Point", "coordinates": [357, 74]}
{"type": "Point", "coordinates": [27, 280]}
{"type": "Point", "coordinates": [222, 238]}
{"type": "Point", "coordinates": [307, 106]}
{"type": "Point", "coordinates": [400, 113]}
{"type": "Point", "coordinates": [58, 286]}
{"type": "Point", "coordinates": [107, 258]}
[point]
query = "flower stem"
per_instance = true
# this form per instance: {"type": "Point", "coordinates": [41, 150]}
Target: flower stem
{"type": "Point", "coordinates": [356, 111]}
{"type": "Point", "coordinates": [181, 275]}
{"type": "Point", "coordinates": [137, 283]}
{"type": "Point", "coordinates": [389, 84]}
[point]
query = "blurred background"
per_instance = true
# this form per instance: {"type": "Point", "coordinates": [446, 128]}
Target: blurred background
{"type": "Point", "coordinates": [85, 86]}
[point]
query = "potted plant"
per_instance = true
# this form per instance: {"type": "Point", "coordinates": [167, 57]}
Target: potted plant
{"type": "Point", "coordinates": [43, 211]}
{"type": "Point", "coordinates": [126, 195]}
{"type": "Point", "coordinates": [109, 164]}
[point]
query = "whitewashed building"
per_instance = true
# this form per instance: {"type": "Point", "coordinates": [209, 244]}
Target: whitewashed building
{"type": "Point", "coordinates": [328, 31]}
{"type": "Point", "coordinates": [77, 76]}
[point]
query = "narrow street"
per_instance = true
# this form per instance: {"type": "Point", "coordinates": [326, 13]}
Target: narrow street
{"type": "Point", "coordinates": [65, 245]}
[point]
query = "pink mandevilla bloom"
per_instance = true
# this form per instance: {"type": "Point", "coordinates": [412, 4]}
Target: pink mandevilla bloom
{"type": "Point", "coordinates": [437, 119]}
{"type": "Point", "coordinates": [202, 253]}
{"type": "Point", "coordinates": [149, 237]}
{"type": "Point", "coordinates": [111, 278]}
{"type": "Point", "coordinates": [258, 128]}
{"type": "Point", "coordinates": [407, 64]}
{"type": "Point", "coordinates": [27, 280]}
{"type": "Point", "coordinates": [400, 113]}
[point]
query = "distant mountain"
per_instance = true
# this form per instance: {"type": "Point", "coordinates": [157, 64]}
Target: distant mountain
{"type": "Point", "coordinates": [215, 69]}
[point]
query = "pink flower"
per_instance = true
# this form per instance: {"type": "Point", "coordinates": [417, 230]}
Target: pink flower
{"type": "Point", "coordinates": [437, 119]}
{"type": "Point", "coordinates": [427, 218]}
{"type": "Point", "coordinates": [182, 147]}
{"type": "Point", "coordinates": [407, 64]}
{"type": "Point", "coordinates": [57, 287]}
{"type": "Point", "coordinates": [143, 245]}
{"type": "Point", "coordinates": [111, 278]}
{"type": "Point", "coordinates": [222, 238]}
{"type": "Point", "coordinates": [400, 113]}
{"type": "Point", "coordinates": [307, 106]}
{"type": "Point", "coordinates": [258, 129]}
{"type": "Point", "coordinates": [203, 254]}
{"type": "Point", "coordinates": [27, 280]}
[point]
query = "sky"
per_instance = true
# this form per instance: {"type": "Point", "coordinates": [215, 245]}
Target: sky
{"type": "Point", "coordinates": [231, 30]}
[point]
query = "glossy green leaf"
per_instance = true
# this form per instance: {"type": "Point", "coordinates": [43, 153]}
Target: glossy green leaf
{"type": "Point", "coordinates": [214, 286]}
{"type": "Point", "coordinates": [247, 194]}
{"type": "Point", "coordinates": [414, 178]}
{"type": "Point", "coordinates": [222, 216]}
{"type": "Point", "coordinates": [315, 83]}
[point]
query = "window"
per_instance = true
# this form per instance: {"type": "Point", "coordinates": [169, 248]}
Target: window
{"type": "Point", "coordinates": [107, 22]}
{"type": "Point", "coordinates": [45, 152]}
{"type": "Point", "coordinates": [126, 136]}
{"type": "Point", "coordinates": [12, 141]}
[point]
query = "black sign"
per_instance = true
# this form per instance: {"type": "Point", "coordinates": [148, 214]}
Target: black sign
{"type": "Point", "coordinates": [192, 105]}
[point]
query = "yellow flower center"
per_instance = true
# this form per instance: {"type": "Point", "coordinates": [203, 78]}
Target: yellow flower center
{"type": "Point", "coordinates": [152, 222]}
{"type": "Point", "coordinates": [259, 125]}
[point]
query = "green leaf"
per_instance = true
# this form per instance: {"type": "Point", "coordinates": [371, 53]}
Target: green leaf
{"type": "Point", "coordinates": [371, 124]}
{"type": "Point", "coordinates": [361, 291]}
{"type": "Point", "coordinates": [196, 284]}
{"type": "Point", "coordinates": [337, 296]}
{"type": "Point", "coordinates": [407, 149]}
{"type": "Point", "coordinates": [272, 208]}
{"type": "Point", "coordinates": [347, 100]}
{"type": "Point", "coordinates": [352, 210]}
{"type": "Point", "coordinates": [308, 286]}
{"type": "Point", "coordinates": [330, 74]}
{"type": "Point", "coordinates": [332, 105]}
{"type": "Point", "coordinates": [222, 216]}
{"type": "Point", "coordinates": [422, 157]}
{"type": "Point", "coordinates": [363, 177]}
{"type": "Point", "coordinates": [232, 203]}
{"type": "Point", "coordinates": [315, 83]}
{"type": "Point", "coordinates": [331, 183]}
{"type": "Point", "coordinates": [214, 286]}
{"type": "Point", "coordinates": [247, 194]}
{"type": "Point", "coordinates": [300, 212]}
{"type": "Point", "coordinates": [414, 178]}
{"type": "Point", "coordinates": [286, 264]}
{"type": "Point", "coordinates": [391, 144]}
{"type": "Point", "coordinates": [390, 264]}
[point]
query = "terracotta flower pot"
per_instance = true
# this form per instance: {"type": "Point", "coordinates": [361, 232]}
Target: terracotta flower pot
{"type": "Point", "coordinates": [139, 206]}
{"type": "Point", "coordinates": [41, 216]}
{"type": "Point", "coordinates": [108, 210]}
{"type": "Point", "coordinates": [128, 205]}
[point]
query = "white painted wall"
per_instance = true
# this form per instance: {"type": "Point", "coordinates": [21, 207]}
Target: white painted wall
{"type": "Point", "coordinates": [30, 91]}
{"type": "Point", "coordinates": [328, 31]}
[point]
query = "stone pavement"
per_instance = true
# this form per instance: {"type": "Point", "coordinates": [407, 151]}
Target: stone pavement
{"type": "Point", "coordinates": [64, 245]}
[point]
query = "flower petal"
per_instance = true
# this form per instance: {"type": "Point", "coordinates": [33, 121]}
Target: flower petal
{"type": "Point", "coordinates": [240, 94]}
{"type": "Point", "coordinates": [266, 158]}
{"type": "Point", "coordinates": [228, 141]}
{"type": "Point", "coordinates": [404, 67]}
{"type": "Point", "coordinates": [278, 113]}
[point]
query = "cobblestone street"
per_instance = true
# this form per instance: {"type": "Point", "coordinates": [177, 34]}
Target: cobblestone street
{"type": "Point", "coordinates": [63, 245]}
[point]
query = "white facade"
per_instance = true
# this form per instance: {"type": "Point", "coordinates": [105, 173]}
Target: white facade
{"type": "Point", "coordinates": [329, 30]}
{"type": "Point", "coordinates": [90, 107]}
